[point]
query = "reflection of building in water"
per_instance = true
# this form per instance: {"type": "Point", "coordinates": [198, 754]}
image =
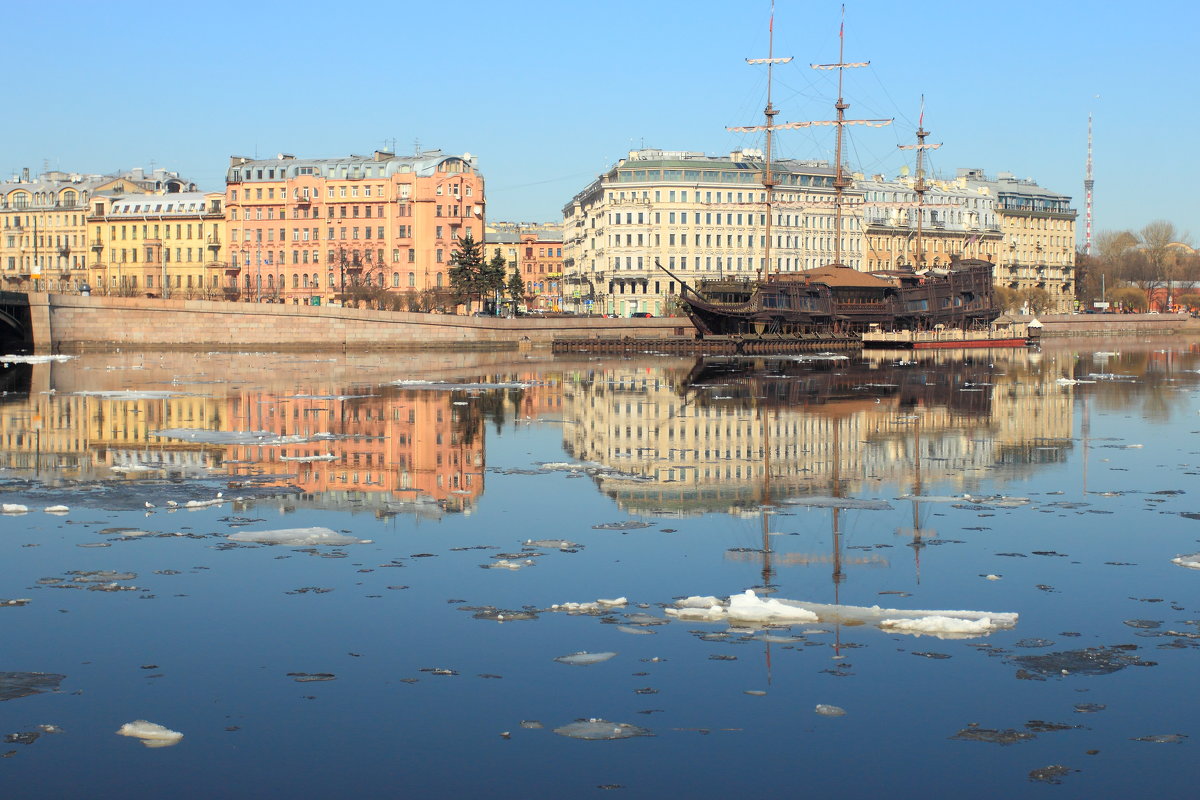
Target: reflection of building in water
{"type": "Point", "coordinates": [705, 440]}
{"type": "Point", "coordinates": [78, 436]}
{"type": "Point", "coordinates": [400, 445]}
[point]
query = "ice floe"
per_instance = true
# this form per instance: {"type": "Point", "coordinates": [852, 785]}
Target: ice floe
{"type": "Point", "coordinates": [940, 626]}
{"type": "Point", "coordinates": [297, 537]}
{"type": "Point", "coordinates": [265, 438]}
{"type": "Point", "coordinates": [584, 658]}
{"type": "Point", "coordinates": [1191, 561]}
{"type": "Point", "coordinates": [840, 502]}
{"type": "Point", "coordinates": [600, 730]}
{"type": "Point", "coordinates": [18, 359]}
{"type": "Point", "coordinates": [151, 734]}
{"type": "Point", "coordinates": [600, 604]}
{"type": "Point", "coordinates": [748, 609]}
{"type": "Point", "coordinates": [447, 386]}
{"type": "Point", "coordinates": [23, 684]}
{"type": "Point", "coordinates": [13, 508]}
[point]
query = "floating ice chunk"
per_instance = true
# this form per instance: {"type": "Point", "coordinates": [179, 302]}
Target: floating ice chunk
{"type": "Point", "coordinates": [56, 509]}
{"type": "Point", "coordinates": [296, 537]}
{"type": "Point", "coordinates": [991, 577]}
{"type": "Point", "coordinates": [13, 508]}
{"type": "Point", "coordinates": [830, 711]}
{"type": "Point", "coordinates": [17, 359]}
{"type": "Point", "coordinates": [265, 438]}
{"type": "Point", "coordinates": [707, 601]}
{"type": "Point", "coordinates": [598, 730]}
{"type": "Point", "coordinates": [150, 733]}
{"type": "Point", "coordinates": [447, 386]}
{"type": "Point", "coordinates": [635, 631]}
{"type": "Point", "coordinates": [747, 609]}
{"type": "Point", "coordinates": [1191, 561]}
{"type": "Point", "coordinates": [23, 684]}
{"type": "Point", "coordinates": [939, 626]}
{"type": "Point", "coordinates": [584, 658]}
{"type": "Point", "coordinates": [561, 544]}
{"type": "Point", "coordinates": [601, 604]}
{"type": "Point", "coordinates": [504, 563]}
{"type": "Point", "coordinates": [840, 502]}
{"type": "Point", "coordinates": [563, 466]}
{"type": "Point", "coordinates": [130, 395]}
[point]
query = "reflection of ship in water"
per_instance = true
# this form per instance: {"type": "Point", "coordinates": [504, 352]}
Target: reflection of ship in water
{"type": "Point", "coordinates": [691, 441]}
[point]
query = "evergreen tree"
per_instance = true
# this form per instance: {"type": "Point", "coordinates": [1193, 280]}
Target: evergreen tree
{"type": "Point", "coordinates": [516, 288]}
{"type": "Point", "coordinates": [493, 276]}
{"type": "Point", "coordinates": [467, 269]}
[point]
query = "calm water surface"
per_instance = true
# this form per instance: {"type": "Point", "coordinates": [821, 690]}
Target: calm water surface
{"type": "Point", "coordinates": [999, 486]}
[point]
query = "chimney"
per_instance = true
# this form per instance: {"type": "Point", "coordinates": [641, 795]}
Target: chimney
{"type": "Point", "coordinates": [25, 175]}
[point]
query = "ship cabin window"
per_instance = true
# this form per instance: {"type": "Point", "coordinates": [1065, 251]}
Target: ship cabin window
{"type": "Point", "coordinates": [776, 301]}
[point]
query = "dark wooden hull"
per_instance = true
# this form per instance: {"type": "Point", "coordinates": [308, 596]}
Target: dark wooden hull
{"type": "Point", "coordinates": [961, 297]}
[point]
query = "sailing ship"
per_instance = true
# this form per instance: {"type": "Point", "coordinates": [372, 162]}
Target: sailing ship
{"type": "Point", "coordinates": [837, 301]}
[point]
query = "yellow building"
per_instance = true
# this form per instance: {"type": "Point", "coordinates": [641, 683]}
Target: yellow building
{"type": "Point", "coordinates": [141, 243]}
{"type": "Point", "coordinates": [44, 227]}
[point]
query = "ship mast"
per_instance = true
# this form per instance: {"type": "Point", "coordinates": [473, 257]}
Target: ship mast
{"type": "Point", "coordinates": [769, 126]}
{"type": "Point", "coordinates": [840, 181]}
{"type": "Point", "coordinates": [920, 187]}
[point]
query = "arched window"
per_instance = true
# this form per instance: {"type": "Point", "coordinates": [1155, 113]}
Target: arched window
{"type": "Point", "coordinates": [270, 281]}
{"type": "Point", "coordinates": [316, 281]}
{"type": "Point", "coordinates": [295, 281]}
{"type": "Point", "coordinates": [412, 280]}
{"type": "Point", "coordinates": [306, 280]}
{"type": "Point", "coordinates": [395, 280]}
{"type": "Point", "coordinates": [439, 280]}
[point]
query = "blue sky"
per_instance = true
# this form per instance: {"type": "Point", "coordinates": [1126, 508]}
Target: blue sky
{"type": "Point", "coordinates": [549, 94]}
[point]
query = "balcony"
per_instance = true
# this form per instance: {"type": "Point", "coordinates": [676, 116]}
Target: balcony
{"type": "Point", "coordinates": [97, 245]}
{"type": "Point", "coordinates": [304, 200]}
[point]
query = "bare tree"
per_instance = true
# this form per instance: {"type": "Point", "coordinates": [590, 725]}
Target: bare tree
{"type": "Point", "coordinates": [1161, 241]}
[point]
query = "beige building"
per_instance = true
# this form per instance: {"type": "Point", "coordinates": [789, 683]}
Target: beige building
{"type": "Point", "coordinates": [700, 217]}
{"type": "Point", "coordinates": [957, 221]}
{"type": "Point", "coordinates": [167, 244]}
{"type": "Point", "coordinates": [1038, 230]}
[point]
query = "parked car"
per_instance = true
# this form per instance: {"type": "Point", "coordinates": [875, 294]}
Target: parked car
{"type": "Point", "coordinates": [641, 315]}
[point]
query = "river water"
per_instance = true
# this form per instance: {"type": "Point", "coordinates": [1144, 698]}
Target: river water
{"type": "Point", "coordinates": [1016, 515]}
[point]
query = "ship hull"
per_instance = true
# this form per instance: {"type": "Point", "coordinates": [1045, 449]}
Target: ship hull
{"type": "Point", "coordinates": [843, 301]}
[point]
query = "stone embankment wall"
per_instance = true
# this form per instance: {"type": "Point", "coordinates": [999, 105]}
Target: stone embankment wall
{"type": "Point", "coordinates": [72, 323]}
{"type": "Point", "coordinates": [1070, 325]}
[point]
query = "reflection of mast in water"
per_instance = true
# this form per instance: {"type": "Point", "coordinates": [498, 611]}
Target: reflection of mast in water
{"type": "Point", "coordinates": [1085, 432]}
{"type": "Point", "coordinates": [838, 576]}
{"type": "Point", "coordinates": [917, 532]}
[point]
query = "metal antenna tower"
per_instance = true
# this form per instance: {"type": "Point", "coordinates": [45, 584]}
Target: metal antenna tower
{"type": "Point", "coordinates": [1088, 185]}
